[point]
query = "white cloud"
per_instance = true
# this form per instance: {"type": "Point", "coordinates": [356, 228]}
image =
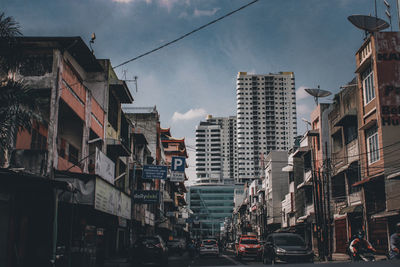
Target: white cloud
{"type": "Point", "coordinates": [304, 110]}
{"type": "Point", "coordinates": [184, 15]}
{"type": "Point", "coordinates": [191, 114]}
{"type": "Point", "coordinates": [123, 1]}
{"type": "Point", "coordinates": [200, 13]}
{"type": "Point", "coordinates": [301, 93]}
{"type": "Point", "coordinates": [168, 4]}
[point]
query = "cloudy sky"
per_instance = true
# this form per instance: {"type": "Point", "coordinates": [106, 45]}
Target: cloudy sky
{"type": "Point", "coordinates": [196, 76]}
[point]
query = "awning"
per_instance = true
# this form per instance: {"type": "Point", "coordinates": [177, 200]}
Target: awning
{"type": "Point", "coordinates": [347, 118]}
{"type": "Point", "coordinates": [302, 219]}
{"type": "Point", "coordinates": [395, 175]}
{"type": "Point", "coordinates": [301, 151]}
{"type": "Point", "coordinates": [367, 180]}
{"type": "Point", "coordinates": [352, 209]}
{"type": "Point", "coordinates": [24, 180]}
{"type": "Point", "coordinates": [385, 214]}
{"type": "Point", "coordinates": [122, 91]}
{"type": "Point", "coordinates": [117, 147]}
{"type": "Point", "coordinates": [288, 168]}
{"type": "Point", "coordinates": [368, 124]}
{"type": "Point", "coordinates": [314, 132]}
{"type": "Point", "coordinates": [305, 183]}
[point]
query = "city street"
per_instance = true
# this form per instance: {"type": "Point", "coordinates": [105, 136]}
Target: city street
{"type": "Point", "coordinates": [228, 259]}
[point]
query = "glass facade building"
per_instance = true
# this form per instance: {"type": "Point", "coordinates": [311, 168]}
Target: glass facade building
{"type": "Point", "coordinates": [211, 204]}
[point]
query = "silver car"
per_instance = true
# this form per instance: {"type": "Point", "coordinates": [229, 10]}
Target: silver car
{"type": "Point", "coordinates": [209, 247]}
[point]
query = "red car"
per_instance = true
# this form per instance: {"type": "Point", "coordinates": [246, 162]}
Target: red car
{"type": "Point", "coordinates": [248, 247]}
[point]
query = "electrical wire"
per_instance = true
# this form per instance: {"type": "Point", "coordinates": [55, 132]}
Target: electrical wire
{"type": "Point", "coordinates": [186, 35]}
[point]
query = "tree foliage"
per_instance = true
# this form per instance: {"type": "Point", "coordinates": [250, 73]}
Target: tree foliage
{"type": "Point", "coordinates": [18, 104]}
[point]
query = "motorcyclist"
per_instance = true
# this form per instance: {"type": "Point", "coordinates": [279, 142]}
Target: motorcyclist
{"type": "Point", "coordinates": [395, 244]}
{"type": "Point", "coordinates": [358, 245]}
{"type": "Point", "coordinates": [192, 249]}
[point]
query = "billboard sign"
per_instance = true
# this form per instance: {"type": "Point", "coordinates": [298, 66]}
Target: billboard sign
{"type": "Point", "coordinates": [154, 172]}
{"type": "Point", "coordinates": [110, 200]}
{"type": "Point", "coordinates": [104, 167]}
{"type": "Point", "coordinates": [146, 196]}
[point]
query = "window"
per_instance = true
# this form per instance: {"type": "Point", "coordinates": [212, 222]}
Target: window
{"type": "Point", "coordinates": [368, 85]}
{"type": "Point", "coordinates": [113, 111]}
{"type": "Point", "coordinates": [350, 132]}
{"type": "Point", "coordinates": [73, 154]}
{"type": "Point", "coordinates": [372, 145]}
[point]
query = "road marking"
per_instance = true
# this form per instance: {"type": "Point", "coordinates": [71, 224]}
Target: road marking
{"type": "Point", "coordinates": [230, 259]}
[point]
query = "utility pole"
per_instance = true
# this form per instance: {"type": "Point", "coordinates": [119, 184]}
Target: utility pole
{"type": "Point", "coordinates": [328, 202]}
{"type": "Point", "coordinates": [316, 199]}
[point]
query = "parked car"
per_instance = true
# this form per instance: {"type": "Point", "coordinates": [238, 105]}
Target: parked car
{"type": "Point", "coordinates": [209, 247]}
{"type": "Point", "coordinates": [286, 247]}
{"type": "Point", "coordinates": [149, 250]}
{"type": "Point", "coordinates": [248, 246]}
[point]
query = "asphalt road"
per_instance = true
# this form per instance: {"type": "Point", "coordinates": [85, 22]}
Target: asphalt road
{"type": "Point", "coordinates": [228, 259]}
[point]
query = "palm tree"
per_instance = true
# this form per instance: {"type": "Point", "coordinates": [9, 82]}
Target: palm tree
{"type": "Point", "coordinates": [18, 105]}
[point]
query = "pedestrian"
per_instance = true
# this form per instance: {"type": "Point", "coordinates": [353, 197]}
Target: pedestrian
{"type": "Point", "coordinates": [394, 253]}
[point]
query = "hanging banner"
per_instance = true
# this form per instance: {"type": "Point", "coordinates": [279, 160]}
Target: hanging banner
{"type": "Point", "coordinates": [104, 167]}
{"type": "Point", "coordinates": [154, 172]}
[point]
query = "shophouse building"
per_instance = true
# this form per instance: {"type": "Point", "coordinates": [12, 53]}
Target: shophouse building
{"type": "Point", "coordinates": [66, 152]}
{"type": "Point", "coordinates": [378, 119]}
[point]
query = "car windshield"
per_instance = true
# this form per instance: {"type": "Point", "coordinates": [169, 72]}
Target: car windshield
{"type": "Point", "coordinates": [209, 242]}
{"type": "Point", "coordinates": [150, 240]}
{"type": "Point", "coordinates": [249, 241]}
{"type": "Point", "coordinates": [288, 240]}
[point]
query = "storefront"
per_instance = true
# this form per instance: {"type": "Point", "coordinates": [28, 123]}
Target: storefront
{"type": "Point", "coordinates": [27, 218]}
{"type": "Point", "coordinates": [94, 221]}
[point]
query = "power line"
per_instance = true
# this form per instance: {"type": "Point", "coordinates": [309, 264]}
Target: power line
{"type": "Point", "coordinates": [186, 35]}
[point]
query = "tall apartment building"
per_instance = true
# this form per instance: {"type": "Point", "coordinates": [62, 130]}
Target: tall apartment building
{"type": "Point", "coordinates": [216, 160]}
{"type": "Point", "coordinates": [266, 119]}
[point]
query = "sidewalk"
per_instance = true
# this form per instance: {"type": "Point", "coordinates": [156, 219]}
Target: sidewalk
{"type": "Point", "coordinates": [345, 257]}
{"type": "Point", "coordinates": [120, 262]}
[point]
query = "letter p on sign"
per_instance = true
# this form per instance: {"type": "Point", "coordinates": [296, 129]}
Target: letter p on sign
{"type": "Point", "coordinates": [178, 164]}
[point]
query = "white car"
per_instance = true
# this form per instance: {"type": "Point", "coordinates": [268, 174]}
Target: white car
{"type": "Point", "coordinates": [209, 247]}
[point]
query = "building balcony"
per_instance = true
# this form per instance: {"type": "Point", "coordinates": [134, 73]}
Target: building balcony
{"type": "Point", "coordinates": [117, 147]}
{"type": "Point", "coordinates": [32, 161]}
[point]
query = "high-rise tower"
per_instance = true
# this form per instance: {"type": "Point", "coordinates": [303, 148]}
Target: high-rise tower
{"type": "Point", "coordinates": [266, 118]}
{"type": "Point", "coordinates": [216, 160]}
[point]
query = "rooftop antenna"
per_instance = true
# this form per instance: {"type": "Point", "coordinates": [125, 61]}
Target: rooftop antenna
{"type": "Point", "coordinates": [307, 122]}
{"type": "Point", "coordinates": [92, 38]}
{"type": "Point", "coordinates": [368, 23]}
{"type": "Point", "coordinates": [135, 78]}
{"type": "Point", "coordinates": [317, 93]}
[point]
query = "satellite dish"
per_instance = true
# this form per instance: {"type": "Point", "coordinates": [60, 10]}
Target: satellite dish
{"type": "Point", "coordinates": [368, 23]}
{"type": "Point", "coordinates": [317, 93]}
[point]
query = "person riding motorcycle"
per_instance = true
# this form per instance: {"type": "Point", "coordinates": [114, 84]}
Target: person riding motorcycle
{"type": "Point", "coordinates": [359, 245]}
{"type": "Point", "coordinates": [394, 253]}
{"type": "Point", "coordinates": [192, 249]}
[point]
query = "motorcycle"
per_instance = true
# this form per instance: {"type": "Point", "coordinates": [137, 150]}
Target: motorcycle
{"type": "Point", "coordinates": [363, 255]}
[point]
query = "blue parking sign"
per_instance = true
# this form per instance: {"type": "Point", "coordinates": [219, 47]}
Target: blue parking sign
{"type": "Point", "coordinates": [178, 164]}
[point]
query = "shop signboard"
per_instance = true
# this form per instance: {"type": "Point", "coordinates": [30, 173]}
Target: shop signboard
{"type": "Point", "coordinates": [104, 167]}
{"type": "Point", "coordinates": [154, 172]}
{"type": "Point", "coordinates": [146, 196]}
{"type": "Point", "coordinates": [110, 200]}
{"type": "Point", "coordinates": [177, 169]}
{"type": "Point", "coordinates": [170, 214]}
